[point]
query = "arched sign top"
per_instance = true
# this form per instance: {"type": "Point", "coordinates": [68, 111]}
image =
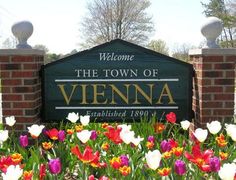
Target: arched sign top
{"type": "Point", "coordinates": [117, 81]}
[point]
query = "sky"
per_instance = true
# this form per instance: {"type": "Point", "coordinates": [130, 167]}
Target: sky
{"type": "Point", "coordinates": [57, 22]}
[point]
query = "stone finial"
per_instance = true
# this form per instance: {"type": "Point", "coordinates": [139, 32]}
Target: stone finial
{"type": "Point", "coordinates": [22, 31]}
{"type": "Point", "coordinates": [211, 29]}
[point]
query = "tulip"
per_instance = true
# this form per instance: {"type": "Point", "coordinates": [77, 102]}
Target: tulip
{"type": "Point", "coordinates": [227, 172]}
{"type": "Point", "coordinates": [73, 117]}
{"type": "Point", "coordinates": [61, 135]}
{"type": "Point", "coordinates": [165, 146]}
{"type": "Point", "coordinates": [84, 120]}
{"type": "Point", "coordinates": [233, 135]}
{"type": "Point", "coordinates": [153, 159]}
{"type": "Point", "coordinates": [214, 127]}
{"type": "Point", "coordinates": [151, 139]}
{"type": "Point", "coordinates": [136, 140]}
{"type": "Point", "coordinates": [125, 170]}
{"type": "Point", "coordinates": [103, 178]}
{"type": "Point", "coordinates": [42, 171]}
{"type": "Point", "coordinates": [230, 128]}
{"type": "Point", "coordinates": [35, 130]}
{"type": "Point", "coordinates": [180, 167]}
{"type": "Point", "coordinates": [3, 135]}
{"type": "Point", "coordinates": [93, 135]}
{"type": "Point", "coordinates": [200, 134]}
{"type": "Point", "coordinates": [84, 135]}
{"type": "Point", "coordinates": [54, 166]}
{"type": "Point", "coordinates": [171, 117]}
{"type": "Point", "coordinates": [24, 140]}
{"type": "Point", "coordinates": [13, 173]}
{"type": "Point", "coordinates": [52, 134]}
{"type": "Point", "coordinates": [214, 163]}
{"type": "Point", "coordinates": [10, 121]}
{"type": "Point", "coordinates": [113, 134]}
{"type": "Point", "coordinates": [124, 127]}
{"type": "Point", "coordinates": [185, 124]}
{"type": "Point", "coordinates": [126, 135]}
{"type": "Point", "coordinates": [124, 160]}
{"type": "Point", "coordinates": [28, 175]}
{"type": "Point", "coordinates": [91, 177]}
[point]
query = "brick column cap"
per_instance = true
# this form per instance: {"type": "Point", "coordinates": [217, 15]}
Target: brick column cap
{"type": "Point", "coordinates": [213, 52]}
{"type": "Point", "coordinates": [19, 52]}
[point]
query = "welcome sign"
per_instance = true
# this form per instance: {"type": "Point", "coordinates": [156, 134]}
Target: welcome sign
{"type": "Point", "coordinates": [117, 81]}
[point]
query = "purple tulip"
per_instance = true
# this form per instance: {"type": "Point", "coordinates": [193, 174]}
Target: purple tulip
{"type": "Point", "coordinates": [165, 146]}
{"type": "Point", "coordinates": [151, 139]}
{"type": "Point", "coordinates": [214, 163]}
{"type": "Point", "coordinates": [24, 140]}
{"type": "Point", "coordinates": [93, 135]}
{"type": "Point", "coordinates": [54, 166]}
{"type": "Point", "coordinates": [61, 135]}
{"type": "Point", "coordinates": [180, 167]}
{"type": "Point", "coordinates": [124, 160]}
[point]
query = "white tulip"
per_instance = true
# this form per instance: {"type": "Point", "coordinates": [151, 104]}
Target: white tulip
{"type": "Point", "coordinates": [227, 172]}
{"type": "Point", "coordinates": [124, 127]}
{"type": "Point", "coordinates": [35, 130]}
{"type": "Point", "coordinates": [85, 120]}
{"type": "Point", "coordinates": [73, 117]}
{"type": "Point", "coordinates": [3, 135]}
{"type": "Point", "coordinates": [185, 124]}
{"type": "Point", "coordinates": [84, 135]}
{"type": "Point", "coordinates": [136, 141]}
{"type": "Point", "coordinates": [233, 135]}
{"type": "Point", "coordinates": [153, 159]}
{"type": "Point", "coordinates": [10, 121]}
{"type": "Point", "coordinates": [214, 127]}
{"type": "Point", "coordinates": [13, 173]}
{"type": "Point", "coordinates": [126, 136]}
{"type": "Point", "coordinates": [230, 128]}
{"type": "Point", "coordinates": [201, 134]}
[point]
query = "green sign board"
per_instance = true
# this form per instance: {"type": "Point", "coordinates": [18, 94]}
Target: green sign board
{"type": "Point", "coordinates": [117, 81]}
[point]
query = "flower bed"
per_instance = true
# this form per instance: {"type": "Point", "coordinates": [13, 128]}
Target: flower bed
{"type": "Point", "coordinates": [145, 150]}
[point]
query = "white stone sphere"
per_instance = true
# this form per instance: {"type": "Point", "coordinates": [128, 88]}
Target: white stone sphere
{"type": "Point", "coordinates": [211, 29]}
{"type": "Point", "coordinates": [22, 31]}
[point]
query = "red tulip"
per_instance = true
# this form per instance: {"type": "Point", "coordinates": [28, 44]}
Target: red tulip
{"type": "Point", "coordinates": [42, 171]}
{"type": "Point", "coordinates": [5, 162]}
{"type": "Point", "coordinates": [88, 156]}
{"type": "Point", "coordinates": [113, 134]}
{"type": "Point", "coordinates": [52, 134]}
{"type": "Point", "coordinates": [201, 159]}
{"type": "Point", "coordinates": [171, 117]}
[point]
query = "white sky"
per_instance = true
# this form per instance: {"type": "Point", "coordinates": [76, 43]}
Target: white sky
{"type": "Point", "coordinates": [56, 22]}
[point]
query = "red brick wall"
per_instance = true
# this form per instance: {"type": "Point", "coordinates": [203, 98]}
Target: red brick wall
{"type": "Point", "coordinates": [21, 87]}
{"type": "Point", "coordinates": [214, 81]}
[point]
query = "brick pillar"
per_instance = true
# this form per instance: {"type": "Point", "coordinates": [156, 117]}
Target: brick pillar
{"type": "Point", "coordinates": [214, 82]}
{"type": "Point", "coordinates": [21, 85]}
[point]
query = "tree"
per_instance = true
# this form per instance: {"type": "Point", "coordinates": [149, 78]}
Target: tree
{"type": "Point", "coordinates": [181, 52]}
{"type": "Point", "coordinates": [48, 57]}
{"type": "Point", "coordinates": [219, 9]}
{"type": "Point", "coordinates": [111, 19]}
{"type": "Point", "coordinates": [9, 43]}
{"type": "Point", "coordinates": [41, 47]}
{"type": "Point", "coordinates": [158, 46]}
